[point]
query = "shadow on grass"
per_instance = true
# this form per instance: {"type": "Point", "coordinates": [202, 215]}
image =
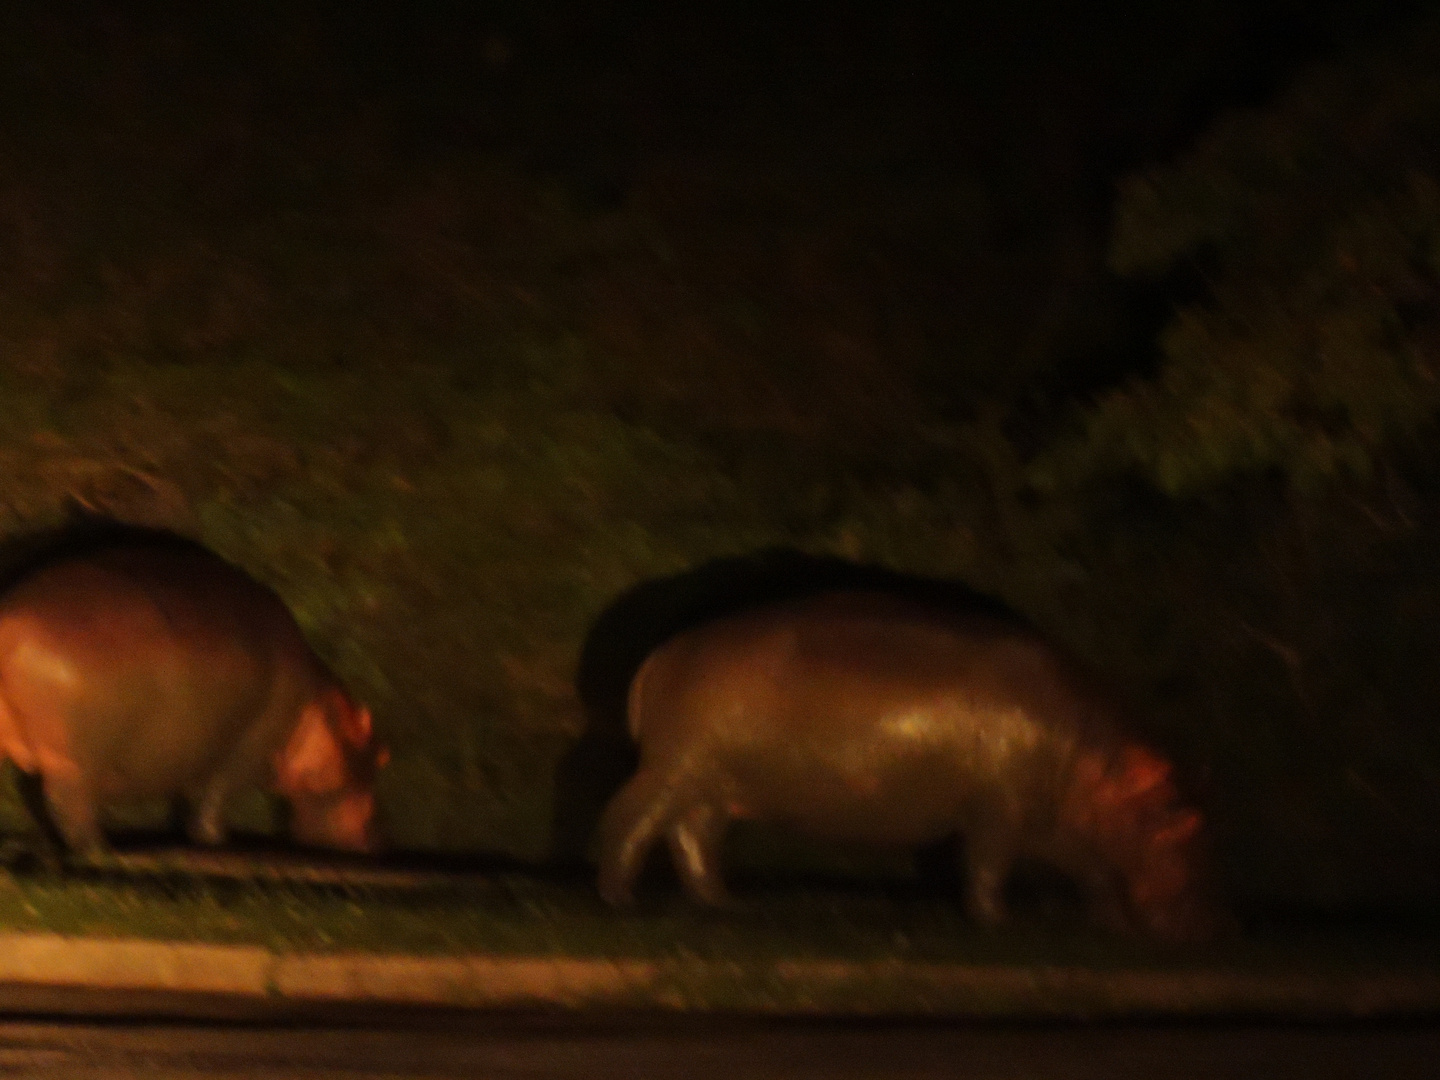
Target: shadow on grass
{"type": "Point", "coordinates": [159, 863]}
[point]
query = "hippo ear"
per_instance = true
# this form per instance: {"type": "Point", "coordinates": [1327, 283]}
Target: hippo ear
{"type": "Point", "coordinates": [352, 720]}
{"type": "Point", "coordinates": [311, 761]}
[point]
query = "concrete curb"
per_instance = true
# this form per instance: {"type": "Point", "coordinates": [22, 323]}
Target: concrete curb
{"type": "Point", "coordinates": [465, 982]}
{"type": "Point", "coordinates": [133, 965]}
{"type": "Point", "coordinates": [171, 978]}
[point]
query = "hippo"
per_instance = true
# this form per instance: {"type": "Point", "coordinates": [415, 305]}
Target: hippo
{"type": "Point", "coordinates": [157, 670]}
{"type": "Point", "coordinates": [869, 717]}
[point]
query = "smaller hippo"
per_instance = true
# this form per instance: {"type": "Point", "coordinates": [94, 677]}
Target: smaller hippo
{"type": "Point", "coordinates": [864, 717]}
{"type": "Point", "coordinates": [157, 670]}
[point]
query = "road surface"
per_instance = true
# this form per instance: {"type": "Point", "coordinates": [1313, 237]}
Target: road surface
{"type": "Point", "coordinates": [512, 1049]}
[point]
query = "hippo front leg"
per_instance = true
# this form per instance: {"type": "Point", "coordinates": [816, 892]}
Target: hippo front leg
{"type": "Point", "coordinates": [243, 768]}
{"type": "Point", "coordinates": [1104, 892]}
{"type": "Point", "coordinates": [69, 807]}
{"type": "Point", "coordinates": [206, 824]}
{"type": "Point", "coordinates": [990, 856]}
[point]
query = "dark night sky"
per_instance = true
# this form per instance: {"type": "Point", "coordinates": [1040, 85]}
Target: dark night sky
{"type": "Point", "coordinates": [925, 80]}
{"type": "Point", "coordinates": [1140, 78]}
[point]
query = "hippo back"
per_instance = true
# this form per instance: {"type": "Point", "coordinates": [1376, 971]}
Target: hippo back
{"type": "Point", "coordinates": [147, 663]}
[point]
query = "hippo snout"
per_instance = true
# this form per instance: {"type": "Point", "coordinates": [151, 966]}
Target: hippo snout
{"type": "Point", "coordinates": [344, 821]}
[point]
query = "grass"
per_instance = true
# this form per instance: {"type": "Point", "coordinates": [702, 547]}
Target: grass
{"type": "Point", "coordinates": [523, 914]}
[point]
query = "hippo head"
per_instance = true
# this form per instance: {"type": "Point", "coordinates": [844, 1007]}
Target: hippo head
{"type": "Point", "coordinates": [1169, 880]}
{"type": "Point", "coordinates": [1129, 805]}
{"type": "Point", "coordinates": [327, 772]}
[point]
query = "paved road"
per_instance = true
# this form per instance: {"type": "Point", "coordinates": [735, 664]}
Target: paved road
{"type": "Point", "coordinates": [529, 1050]}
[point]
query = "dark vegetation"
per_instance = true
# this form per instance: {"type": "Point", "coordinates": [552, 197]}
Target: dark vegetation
{"type": "Point", "coordinates": [495, 338]}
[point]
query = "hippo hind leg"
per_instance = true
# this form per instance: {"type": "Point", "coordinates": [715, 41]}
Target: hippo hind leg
{"type": "Point", "coordinates": [643, 810]}
{"type": "Point", "coordinates": [695, 840]}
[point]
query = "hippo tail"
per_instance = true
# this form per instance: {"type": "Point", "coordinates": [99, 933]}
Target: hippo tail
{"type": "Point", "coordinates": [14, 744]}
{"type": "Point", "coordinates": [635, 700]}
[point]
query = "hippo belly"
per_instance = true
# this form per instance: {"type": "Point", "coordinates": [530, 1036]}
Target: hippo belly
{"type": "Point", "coordinates": [909, 776]}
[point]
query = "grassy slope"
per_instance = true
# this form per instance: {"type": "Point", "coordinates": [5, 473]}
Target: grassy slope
{"type": "Point", "coordinates": [452, 406]}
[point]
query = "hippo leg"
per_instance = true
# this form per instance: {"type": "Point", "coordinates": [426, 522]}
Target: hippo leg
{"type": "Point", "coordinates": [1108, 907]}
{"type": "Point", "coordinates": [208, 800]}
{"type": "Point", "coordinates": [71, 810]}
{"type": "Point", "coordinates": [1103, 891]}
{"type": "Point", "coordinates": [207, 803]}
{"type": "Point", "coordinates": [695, 840]}
{"type": "Point", "coordinates": [634, 820]}
{"type": "Point", "coordinates": [990, 854]}
{"type": "Point", "coordinates": [31, 787]}
{"type": "Point", "coordinates": [207, 816]}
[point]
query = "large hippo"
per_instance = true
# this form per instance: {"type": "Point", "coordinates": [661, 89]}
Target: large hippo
{"type": "Point", "coordinates": [861, 716]}
{"type": "Point", "coordinates": [152, 670]}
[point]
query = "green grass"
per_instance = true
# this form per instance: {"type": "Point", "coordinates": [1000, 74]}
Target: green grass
{"type": "Point", "coordinates": [516, 913]}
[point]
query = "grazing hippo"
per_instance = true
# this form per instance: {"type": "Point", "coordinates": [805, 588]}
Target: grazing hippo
{"type": "Point", "coordinates": [153, 670]}
{"type": "Point", "coordinates": [860, 716]}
